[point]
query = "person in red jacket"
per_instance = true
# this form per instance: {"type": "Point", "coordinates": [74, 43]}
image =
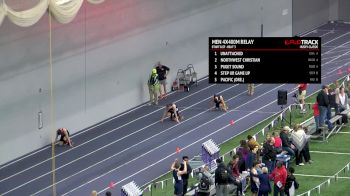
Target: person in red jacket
{"type": "Point", "coordinates": [301, 96]}
{"type": "Point", "coordinates": [279, 176]}
{"type": "Point", "coordinates": [316, 114]}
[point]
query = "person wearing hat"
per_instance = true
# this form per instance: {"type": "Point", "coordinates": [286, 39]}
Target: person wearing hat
{"type": "Point", "coordinates": [286, 145]}
{"type": "Point", "coordinates": [162, 72]}
{"type": "Point", "coordinates": [323, 104]}
{"type": "Point", "coordinates": [153, 87]}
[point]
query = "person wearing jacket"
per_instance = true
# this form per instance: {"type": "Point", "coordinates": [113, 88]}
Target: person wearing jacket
{"type": "Point", "coordinates": [279, 177]}
{"type": "Point", "coordinates": [269, 154]}
{"type": "Point", "coordinates": [286, 145]}
{"type": "Point", "coordinates": [221, 184]}
{"type": "Point", "coordinates": [265, 187]}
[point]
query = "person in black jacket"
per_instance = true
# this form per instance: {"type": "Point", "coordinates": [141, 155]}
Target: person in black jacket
{"type": "Point", "coordinates": [186, 175]}
{"type": "Point", "coordinates": [323, 104]}
{"type": "Point", "coordinates": [269, 154]}
{"type": "Point", "coordinates": [291, 183]}
{"type": "Point", "coordinates": [222, 176]}
{"type": "Point", "coordinates": [286, 145]}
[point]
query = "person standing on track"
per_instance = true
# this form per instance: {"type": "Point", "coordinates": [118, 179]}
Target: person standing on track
{"type": "Point", "coordinates": [64, 139]}
{"type": "Point", "coordinates": [162, 72]}
{"type": "Point", "coordinates": [219, 102]}
{"type": "Point", "coordinates": [172, 112]}
{"type": "Point", "coordinates": [250, 89]}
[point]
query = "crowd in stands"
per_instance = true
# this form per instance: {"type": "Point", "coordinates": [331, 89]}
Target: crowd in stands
{"type": "Point", "coordinates": [260, 166]}
{"type": "Point", "coordinates": [256, 166]}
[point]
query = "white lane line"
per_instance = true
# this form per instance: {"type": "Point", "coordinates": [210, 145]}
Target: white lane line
{"type": "Point", "coordinates": [147, 140]}
{"type": "Point", "coordinates": [320, 176]}
{"type": "Point", "coordinates": [190, 131]}
{"type": "Point", "coordinates": [325, 152]}
{"type": "Point", "coordinates": [34, 179]}
{"type": "Point", "coordinates": [336, 38]}
{"type": "Point", "coordinates": [58, 155]}
{"type": "Point", "coordinates": [94, 126]}
{"type": "Point", "coordinates": [344, 132]}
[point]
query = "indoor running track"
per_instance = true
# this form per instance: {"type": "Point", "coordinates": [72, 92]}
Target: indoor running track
{"type": "Point", "coordinates": [136, 146]}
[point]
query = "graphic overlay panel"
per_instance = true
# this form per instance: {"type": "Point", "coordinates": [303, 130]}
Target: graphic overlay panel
{"type": "Point", "coordinates": [264, 60]}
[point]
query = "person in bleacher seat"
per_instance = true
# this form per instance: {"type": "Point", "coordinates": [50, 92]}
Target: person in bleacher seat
{"type": "Point", "coordinates": [286, 145]}
{"type": "Point", "coordinates": [233, 168]}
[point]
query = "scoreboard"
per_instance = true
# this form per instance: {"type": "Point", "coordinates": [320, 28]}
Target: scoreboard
{"type": "Point", "coordinates": [264, 60]}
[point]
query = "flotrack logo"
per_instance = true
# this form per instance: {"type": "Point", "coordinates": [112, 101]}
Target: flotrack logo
{"type": "Point", "coordinates": [302, 43]}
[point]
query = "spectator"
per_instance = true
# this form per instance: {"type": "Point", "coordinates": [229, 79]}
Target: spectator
{"type": "Point", "coordinates": [348, 90]}
{"type": "Point", "coordinates": [221, 179]}
{"type": "Point", "coordinates": [175, 168]}
{"type": "Point", "coordinates": [250, 89]}
{"type": "Point", "coordinates": [252, 143]}
{"type": "Point", "coordinates": [254, 179]}
{"type": "Point", "coordinates": [291, 183]}
{"type": "Point", "coordinates": [343, 100]}
{"type": "Point", "coordinates": [93, 193]}
{"type": "Point", "coordinates": [153, 87]}
{"type": "Point", "coordinates": [219, 102]}
{"type": "Point", "coordinates": [264, 187]}
{"type": "Point", "coordinates": [299, 139]}
{"type": "Point", "coordinates": [269, 154]}
{"type": "Point", "coordinates": [108, 193]}
{"type": "Point", "coordinates": [323, 104]}
{"type": "Point", "coordinates": [232, 167]}
{"type": "Point", "coordinates": [301, 96]}
{"type": "Point", "coordinates": [279, 177]}
{"type": "Point", "coordinates": [278, 142]}
{"type": "Point", "coordinates": [205, 182]}
{"type": "Point", "coordinates": [332, 97]}
{"type": "Point", "coordinates": [241, 162]}
{"type": "Point", "coordinates": [286, 145]}
{"type": "Point", "coordinates": [162, 72]}
{"type": "Point", "coordinates": [172, 112]}
{"type": "Point", "coordinates": [316, 115]}
{"type": "Point", "coordinates": [252, 157]}
{"type": "Point", "coordinates": [243, 150]}
{"type": "Point", "coordinates": [64, 137]}
{"type": "Point", "coordinates": [186, 175]}
{"type": "Point", "coordinates": [306, 154]}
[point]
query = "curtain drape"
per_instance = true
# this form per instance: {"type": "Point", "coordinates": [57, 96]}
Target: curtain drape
{"type": "Point", "coordinates": [64, 11]}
